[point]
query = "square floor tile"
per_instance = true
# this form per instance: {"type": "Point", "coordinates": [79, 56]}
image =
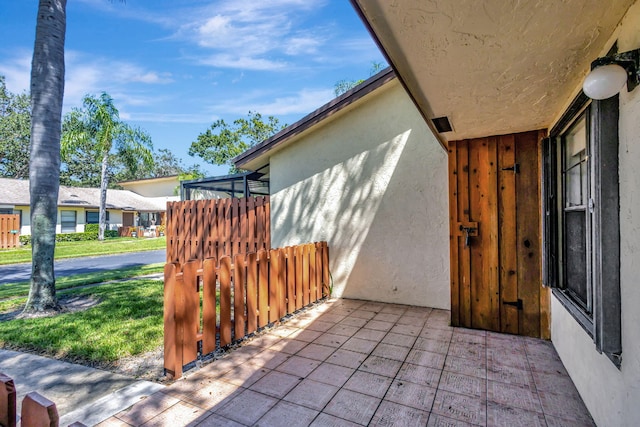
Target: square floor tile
{"type": "Point", "coordinates": [319, 326]}
{"type": "Point", "coordinates": [436, 420]}
{"type": "Point", "coordinates": [331, 340]}
{"type": "Point", "coordinates": [468, 350]}
{"type": "Point", "coordinates": [436, 334]}
{"type": "Point", "coordinates": [426, 358]}
{"type": "Point", "coordinates": [391, 351]}
{"type": "Point", "coordinates": [394, 308]}
{"type": "Point", "coordinates": [461, 365]}
{"type": "Point", "coordinates": [346, 330]}
{"type": "Point", "coordinates": [326, 420]}
{"type": "Point", "coordinates": [276, 384]}
{"type": "Point", "coordinates": [387, 317]}
{"type": "Point", "coordinates": [215, 393]}
{"type": "Point", "coordinates": [311, 394]}
{"type": "Point", "coordinates": [179, 414]}
{"type": "Point", "coordinates": [463, 384]}
{"type": "Point", "coordinates": [381, 366]}
{"type": "Point", "coordinates": [354, 321]}
{"type": "Point", "coordinates": [411, 394]}
{"type": "Point", "coordinates": [244, 375]}
{"type": "Point", "coordinates": [460, 407]}
{"type": "Point", "coordinates": [510, 375]}
{"type": "Point", "coordinates": [289, 346]}
{"type": "Point", "coordinates": [300, 366]}
{"type": "Point", "coordinates": [419, 375]}
{"type": "Point", "coordinates": [359, 345]}
{"type": "Point", "coordinates": [268, 359]}
{"type": "Point", "coordinates": [305, 335]}
{"type": "Point", "coordinates": [513, 396]}
{"type": "Point", "coordinates": [392, 414]}
{"type": "Point", "coordinates": [368, 383]}
{"type": "Point", "coordinates": [370, 334]}
{"type": "Point", "coordinates": [363, 314]}
{"type": "Point", "coordinates": [287, 414]}
{"type": "Point", "coordinates": [247, 407]}
{"type": "Point", "coordinates": [410, 330]}
{"type": "Point", "coordinates": [555, 383]}
{"type": "Point", "coordinates": [411, 320]}
{"type": "Point", "coordinates": [548, 365]}
{"type": "Point", "coordinates": [147, 408]}
{"type": "Point", "coordinates": [379, 325]}
{"type": "Point", "coordinates": [215, 420]}
{"type": "Point", "coordinates": [331, 317]}
{"type": "Point", "coordinates": [347, 358]}
{"type": "Point", "coordinates": [434, 346]}
{"type": "Point", "coordinates": [352, 406]}
{"type": "Point", "coordinates": [316, 351]}
{"type": "Point", "coordinates": [508, 416]}
{"type": "Point", "coordinates": [565, 407]}
{"type": "Point", "coordinates": [399, 339]}
{"type": "Point", "coordinates": [560, 422]}
{"type": "Point", "coordinates": [331, 374]}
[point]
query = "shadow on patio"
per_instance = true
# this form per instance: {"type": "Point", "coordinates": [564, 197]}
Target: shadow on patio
{"type": "Point", "coordinates": [349, 362]}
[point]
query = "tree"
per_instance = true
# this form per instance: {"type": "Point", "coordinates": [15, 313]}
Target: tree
{"type": "Point", "coordinates": [343, 86]}
{"type": "Point", "coordinates": [15, 132]}
{"type": "Point", "coordinates": [47, 90]}
{"type": "Point", "coordinates": [222, 142]}
{"type": "Point", "coordinates": [97, 127]}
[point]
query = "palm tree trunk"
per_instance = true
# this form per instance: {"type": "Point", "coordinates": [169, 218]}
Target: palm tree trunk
{"type": "Point", "coordinates": [47, 90]}
{"type": "Point", "coordinates": [104, 182]}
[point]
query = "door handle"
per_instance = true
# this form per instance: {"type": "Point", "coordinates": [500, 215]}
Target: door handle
{"type": "Point", "coordinates": [468, 232]}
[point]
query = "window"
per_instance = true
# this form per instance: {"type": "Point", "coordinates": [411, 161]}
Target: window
{"type": "Point", "coordinates": [582, 224]}
{"type": "Point", "coordinates": [93, 217]}
{"type": "Point", "coordinates": [68, 221]}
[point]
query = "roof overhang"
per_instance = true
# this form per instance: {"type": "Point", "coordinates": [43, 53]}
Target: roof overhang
{"type": "Point", "coordinates": [492, 67]}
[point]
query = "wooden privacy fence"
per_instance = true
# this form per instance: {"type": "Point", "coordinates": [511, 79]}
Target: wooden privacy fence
{"type": "Point", "coordinates": [9, 231]}
{"type": "Point", "coordinates": [208, 305]}
{"type": "Point", "coordinates": [200, 229]}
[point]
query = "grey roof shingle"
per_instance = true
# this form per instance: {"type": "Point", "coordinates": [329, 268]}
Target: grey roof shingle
{"type": "Point", "coordinates": [16, 192]}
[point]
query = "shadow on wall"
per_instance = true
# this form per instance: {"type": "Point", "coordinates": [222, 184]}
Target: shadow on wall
{"type": "Point", "coordinates": [383, 212]}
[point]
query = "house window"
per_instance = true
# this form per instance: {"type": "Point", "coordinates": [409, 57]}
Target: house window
{"type": "Point", "coordinates": [93, 217]}
{"type": "Point", "coordinates": [582, 224]}
{"type": "Point", "coordinates": [67, 221]}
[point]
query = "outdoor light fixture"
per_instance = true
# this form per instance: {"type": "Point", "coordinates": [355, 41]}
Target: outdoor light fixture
{"type": "Point", "coordinates": [609, 74]}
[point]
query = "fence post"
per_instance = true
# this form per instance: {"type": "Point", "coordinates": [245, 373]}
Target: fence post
{"type": "Point", "coordinates": [7, 401]}
{"type": "Point", "coordinates": [225, 301]}
{"type": "Point", "coordinates": [38, 411]}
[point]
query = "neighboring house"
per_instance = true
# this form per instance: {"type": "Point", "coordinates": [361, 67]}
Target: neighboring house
{"type": "Point", "coordinates": [79, 206]}
{"type": "Point", "coordinates": [156, 190]}
{"type": "Point", "coordinates": [365, 174]}
{"type": "Point", "coordinates": [493, 79]}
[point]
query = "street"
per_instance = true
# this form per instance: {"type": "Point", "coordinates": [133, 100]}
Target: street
{"type": "Point", "coordinates": [66, 267]}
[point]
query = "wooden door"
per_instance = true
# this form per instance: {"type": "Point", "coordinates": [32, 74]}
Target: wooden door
{"type": "Point", "coordinates": [494, 203]}
{"type": "Point", "coordinates": [127, 219]}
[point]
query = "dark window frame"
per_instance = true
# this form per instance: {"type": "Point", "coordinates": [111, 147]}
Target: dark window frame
{"type": "Point", "coordinates": [86, 217]}
{"type": "Point", "coordinates": [603, 324]}
{"type": "Point", "coordinates": [62, 222]}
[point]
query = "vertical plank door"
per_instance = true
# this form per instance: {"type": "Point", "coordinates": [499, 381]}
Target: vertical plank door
{"type": "Point", "coordinates": [494, 207]}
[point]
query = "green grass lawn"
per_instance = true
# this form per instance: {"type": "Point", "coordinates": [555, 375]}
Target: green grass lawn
{"type": "Point", "coordinates": [88, 248]}
{"type": "Point", "coordinates": [12, 295]}
{"type": "Point", "coordinates": [127, 321]}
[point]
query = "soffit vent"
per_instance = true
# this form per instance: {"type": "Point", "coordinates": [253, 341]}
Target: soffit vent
{"type": "Point", "coordinates": [442, 124]}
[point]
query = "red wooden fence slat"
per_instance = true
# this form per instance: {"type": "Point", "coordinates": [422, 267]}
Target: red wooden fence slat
{"type": "Point", "coordinates": [209, 321]}
{"type": "Point", "coordinates": [38, 411]}
{"type": "Point", "coordinates": [326, 275]}
{"type": "Point", "coordinates": [306, 284]}
{"type": "Point", "coordinates": [291, 279]}
{"type": "Point", "coordinates": [170, 344]}
{"type": "Point", "coordinates": [299, 254]}
{"type": "Point", "coordinates": [252, 292]}
{"type": "Point", "coordinates": [7, 401]}
{"type": "Point", "coordinates": [239, 296]}
{"type": "Point", "coordinates": [263, 288]}
{"type": "Point", "coordinates": [318, 281]}
{"type": "Point", "coordinates": [225, 300]}
{"type": "Point", "coordinates": [274, 267]}
{"type": "Point", "coordinates": [282, 287]}
{"type": "Point", "coordinates": [189, 314]}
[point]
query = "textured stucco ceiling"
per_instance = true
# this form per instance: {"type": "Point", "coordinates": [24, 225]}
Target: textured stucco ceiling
{"type": "Point", "coordinates": [492, 66]}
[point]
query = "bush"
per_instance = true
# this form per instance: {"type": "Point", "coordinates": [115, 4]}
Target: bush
{"type": "Point", "coordinates": [110, 233]}
{"type": "Point", "coordinates": [91, 227]}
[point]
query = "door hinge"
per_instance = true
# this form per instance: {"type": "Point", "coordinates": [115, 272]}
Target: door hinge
{"type": "Point", "coordinates": [515, 168]}
{"type": "Point", "coordinates": [591, 205]}
{"type": "Point", "coordinates": [517, 304]}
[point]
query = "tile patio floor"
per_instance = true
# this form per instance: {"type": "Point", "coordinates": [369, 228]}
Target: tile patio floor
{"type": "Point", "coordinates": [347, 363]}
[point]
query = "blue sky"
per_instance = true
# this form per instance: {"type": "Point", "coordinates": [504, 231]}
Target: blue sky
{"type": "Point", "coordinates": [175, 66]}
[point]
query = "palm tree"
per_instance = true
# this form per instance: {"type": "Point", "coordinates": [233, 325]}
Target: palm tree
{"type": "Point", "coordinates": [98, 125]}
{"type": "Point", "coordinates": [47, 90]}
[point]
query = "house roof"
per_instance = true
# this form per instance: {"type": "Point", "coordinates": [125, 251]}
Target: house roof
{"type": "Point", "coordinates": [492, 67]}
{"type": "Point", "coordinates": [168, 178]}
{"type": "Point", "coordinates": [250, 158]}
{"type": "Point", "coordinates": [16, 192]}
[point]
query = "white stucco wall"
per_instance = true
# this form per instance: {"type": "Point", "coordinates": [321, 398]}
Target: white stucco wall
{"type": "Point", "coordinates": [372, 182]}
{"type": "Point", "coordinates": [612, 395]}
{"type": "Point", "coordinates": [154, 187]}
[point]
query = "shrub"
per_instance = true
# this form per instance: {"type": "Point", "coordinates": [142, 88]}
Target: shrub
{"type": "Point", "coordinates": [92, 227]}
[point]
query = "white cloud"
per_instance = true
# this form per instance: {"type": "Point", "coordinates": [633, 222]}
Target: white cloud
{"type": "Point", "coordinates": [147, 117]}
{"type": "Point", "coordinates": [299, 103]}
{"type": "Point", "coordinates": [17, 72]}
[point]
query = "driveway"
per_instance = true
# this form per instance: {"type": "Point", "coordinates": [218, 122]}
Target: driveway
{"type": "Point", "coordinates": [67, 267]}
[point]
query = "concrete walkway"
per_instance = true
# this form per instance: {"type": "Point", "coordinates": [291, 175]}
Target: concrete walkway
{"type": "Point", "coordinates": [81, 393]}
